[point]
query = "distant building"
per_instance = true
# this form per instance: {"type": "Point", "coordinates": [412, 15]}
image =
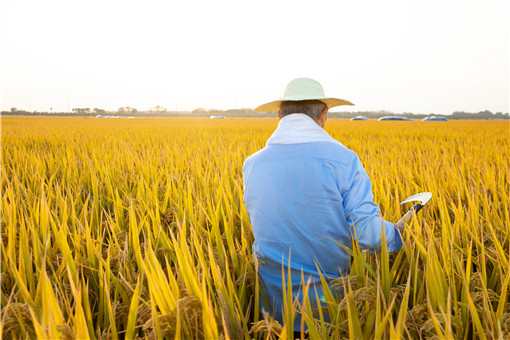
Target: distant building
{"type": "Point", "coordinates": [395, 118]}
{"type": "Point", "coordinates": [217, 117]}
{"type": "Point", "coordinates": [81, 110]}
{"type": "Point", "coordinates": [359, 118]}
{"type": "Point", "coordinates": [434, 118]}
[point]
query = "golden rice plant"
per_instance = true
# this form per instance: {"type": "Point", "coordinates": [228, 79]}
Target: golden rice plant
{"type": "Point", "coordinates": [136, 228]}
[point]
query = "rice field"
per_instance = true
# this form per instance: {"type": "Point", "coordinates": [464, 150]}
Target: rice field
{"type": "Point", "coordinates": [118, 229]}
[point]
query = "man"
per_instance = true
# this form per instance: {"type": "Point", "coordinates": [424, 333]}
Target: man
{"type": "Point", "coordinates": [303, 192]}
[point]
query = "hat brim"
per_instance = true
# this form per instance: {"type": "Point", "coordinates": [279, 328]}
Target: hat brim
{"type": "Point", "coordinates": [275, 105]}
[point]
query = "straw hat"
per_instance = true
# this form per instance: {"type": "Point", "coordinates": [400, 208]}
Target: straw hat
{"type": "Point", "coordinates": [302, 89]}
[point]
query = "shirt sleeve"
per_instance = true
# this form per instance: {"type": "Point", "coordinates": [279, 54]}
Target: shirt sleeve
{"type": "Point", "coordinates": [362, 213]}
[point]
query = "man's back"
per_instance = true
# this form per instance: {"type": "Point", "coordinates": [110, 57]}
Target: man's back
{"type": "Point", "coordinates": [301, 198]}
{"type": "Point", "coordinates": [293, 196]}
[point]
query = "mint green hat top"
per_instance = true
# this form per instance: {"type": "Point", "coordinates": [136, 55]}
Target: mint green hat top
{"type": "Point", "coordinates": [303, 89]}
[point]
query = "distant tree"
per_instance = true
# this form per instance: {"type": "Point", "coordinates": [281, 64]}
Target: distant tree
{"type": "Point", "coordinates": [159, 109]}
{"type": "Point", "coordinates": [199, 112]}
{"type": "Point", "coordinates": [13, 109]}
{"type": "Point", "coordinates": [99, 111]}
{"type": "Point", "coordinates": [486, 112]}
{"type": "Point", "coordinates": [127, 109]}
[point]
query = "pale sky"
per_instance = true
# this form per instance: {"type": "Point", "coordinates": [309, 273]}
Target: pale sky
{"type": "Point", "coordinates": [401, 56]}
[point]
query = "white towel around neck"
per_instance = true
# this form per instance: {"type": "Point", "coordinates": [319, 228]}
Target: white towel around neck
{"type": "Point", "coordinates": [298, 128]}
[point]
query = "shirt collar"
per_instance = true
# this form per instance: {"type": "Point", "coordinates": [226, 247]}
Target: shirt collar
{"type": "Point", "coordinates": [298, 128]}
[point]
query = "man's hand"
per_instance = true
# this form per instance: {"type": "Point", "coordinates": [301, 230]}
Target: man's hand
{"type": "Point", "coordinates": [400, 225]}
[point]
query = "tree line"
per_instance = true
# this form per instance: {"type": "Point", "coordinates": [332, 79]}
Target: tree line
{"type": "Point", "coordinates": [159, 111]}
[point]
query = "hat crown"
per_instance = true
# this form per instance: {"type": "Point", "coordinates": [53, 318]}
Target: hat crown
{"type": "Point", "coordinates": [302, 89]}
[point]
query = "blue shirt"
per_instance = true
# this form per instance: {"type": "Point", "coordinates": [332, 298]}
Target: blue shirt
{"type": "Point", "coordinates": [303, 191]}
